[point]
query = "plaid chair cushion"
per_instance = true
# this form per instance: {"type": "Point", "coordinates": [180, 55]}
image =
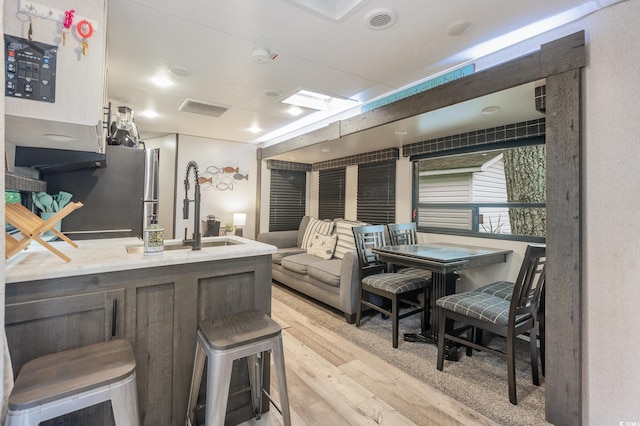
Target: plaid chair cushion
{"type": "Point", "coordinates": [501, 289]}
{"type": "Point", "coordinates": [394, 283]}
{"type": "Point", "coordinates": [416, 272]}
{"type": "Point", "coordinates": [482, 306]}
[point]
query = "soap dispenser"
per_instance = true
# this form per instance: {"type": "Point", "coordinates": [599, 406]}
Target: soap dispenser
{"type": "Point", "coordinates": [153, 237]}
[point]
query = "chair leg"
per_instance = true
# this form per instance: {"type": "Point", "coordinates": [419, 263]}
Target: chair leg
{"type": "Point", "coordinates": [441, 321]}
{"type": "Point", "coordinates": [278, 355]}
{"type": "Point", "coordinates": [124, 402]}
{"type": "Point", "coordinates": [218, 380]}
{"type": "Point", "coordinates": [541, 327]}
{"type": "Point", "coordinates": [255, 365]}
{"type": "Point", "coordinates": [394, 319]}
{"type": "Point", "coordinates": [359, 309]}
{"type": "Point", "coordinates": [471, 336]}
{"type": "Point", "coordinates": [511, 368]}
{"type": "Point", "coordinates": [196, 378]}
{"type": "Point", "coordinates": [534, 355]}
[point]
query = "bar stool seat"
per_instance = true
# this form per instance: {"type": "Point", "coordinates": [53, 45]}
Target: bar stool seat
{"type": "Point", "coordinates": [64, 382]}
{"type": "Point", "coordinates": [228, 338]}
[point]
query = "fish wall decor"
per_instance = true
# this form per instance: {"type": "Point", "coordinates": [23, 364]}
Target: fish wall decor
{"type": "Point", "coordinates": [222, 178]}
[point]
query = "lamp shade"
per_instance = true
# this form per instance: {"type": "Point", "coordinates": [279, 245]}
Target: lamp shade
{"type": "Point", "coordinates": [239, 219]}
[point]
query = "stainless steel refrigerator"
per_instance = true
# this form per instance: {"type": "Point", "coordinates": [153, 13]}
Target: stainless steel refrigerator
{"type": "Point", "coordinates": [118, 198]}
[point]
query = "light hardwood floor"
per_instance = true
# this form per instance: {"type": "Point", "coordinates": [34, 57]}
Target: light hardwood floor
{"type": "Point", "coordinates": [333, 382]}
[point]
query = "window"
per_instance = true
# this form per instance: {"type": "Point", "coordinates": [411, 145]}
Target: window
{"type": "Point", "coordinates": [287, 200]}
{"type": "Point", "coordinates": [331, 193]}
{"type": "Point", "coordinates": [497, 193]}
{"type": "Point", "coordinates": [11, 197]}
{"type": "Point", "coordinates": [377, 192]}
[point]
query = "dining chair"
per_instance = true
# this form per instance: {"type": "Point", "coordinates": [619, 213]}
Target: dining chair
{"type": "Point", "coordinates": [504, 290]}
{"type": "Point", "coordinates": [476, 311]}
{"type": "Point", "coordinates": [395, 287]}
{"type": "Point", "coordinates": [406, 233]}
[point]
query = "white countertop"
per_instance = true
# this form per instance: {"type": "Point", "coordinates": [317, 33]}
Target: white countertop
{"type": "Point", "coordinates": [107, 255]}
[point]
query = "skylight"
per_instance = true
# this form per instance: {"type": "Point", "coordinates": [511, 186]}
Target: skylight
{"type": "Point", "coordinates": [333, 10]}
{"type": "Point", "coordinates": [318, 101]}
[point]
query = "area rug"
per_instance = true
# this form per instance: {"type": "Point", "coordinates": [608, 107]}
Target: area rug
{"type": "Point", "coordinates": [479, 381]}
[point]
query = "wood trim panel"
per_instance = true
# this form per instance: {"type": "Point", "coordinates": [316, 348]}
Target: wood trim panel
{"type": "Point", "coordinates": [564, 283]}
{"type": "Point", "coordinates": [328, 133]}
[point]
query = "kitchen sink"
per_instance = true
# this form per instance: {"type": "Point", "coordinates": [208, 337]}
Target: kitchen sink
{"type": "Point", "coordinates": [177, 245]}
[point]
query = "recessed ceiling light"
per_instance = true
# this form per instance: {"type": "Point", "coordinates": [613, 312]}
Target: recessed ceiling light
{"type": "Point", "coordinates": [326, 150]}
{"type": "Point", "coordinates": [254, 129]}
{"type": "Point", "coordinates": [295, 110]}
{"type": "Point", "coordinates": [148, 113]}
{"type": "Point", "coordinates": [162, 80]}
{"type": "Point", "coordinates": [180, 70]}
{"type": "Point", "coordinates": [490, 110]}
{"type": "Point", "coordinates": [458, 28]}
{"type": "Point", "coordinates": [400, 132]}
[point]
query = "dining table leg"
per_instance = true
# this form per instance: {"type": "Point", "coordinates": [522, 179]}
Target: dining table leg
{"type": "Point", "coordinates": [443, 285]}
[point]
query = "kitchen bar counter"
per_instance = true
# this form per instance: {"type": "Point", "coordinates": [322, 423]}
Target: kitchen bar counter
{"type": "Point", "coordinates": [154, 301]}
{"type": "Point", "coordinates": [106, 255]}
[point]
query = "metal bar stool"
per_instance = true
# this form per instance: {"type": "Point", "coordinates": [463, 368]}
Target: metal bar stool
{"type": "Point", "coordinates": [228, 338]}
{"type": "Point", "coordinates": [64, 382]}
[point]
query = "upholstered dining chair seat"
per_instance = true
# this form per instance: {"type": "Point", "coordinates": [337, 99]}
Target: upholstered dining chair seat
{"type": "Point", "coordinates": [482, 306]}
{"type": "Point", "coordinates": [394, 283]}
{"type": "Point", "coordinates": [504, 290]}
{"type": "Point", "coordinates": [501, 289]}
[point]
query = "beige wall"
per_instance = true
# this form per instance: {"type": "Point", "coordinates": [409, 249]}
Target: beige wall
{"type": "Point", "coordinates": [209, 154]}
{"type": "Point", "coordinates": [611, 266]}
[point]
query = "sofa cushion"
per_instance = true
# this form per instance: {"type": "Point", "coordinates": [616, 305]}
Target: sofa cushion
{"type": "Point", "coordinates": [302, 228]}
{"type": "Point", "coordinates": [327, 271]}
{"type": "Point", "coordinates": [345, 243]}
{"type": "Point", "coordinates": [298, 262]}
{"type": "Point", "coordinates": [316, 225]}
{"type": "Point", "coordinates": [322, 245]}
{"type": "Point", "coordinates": [282, 252]}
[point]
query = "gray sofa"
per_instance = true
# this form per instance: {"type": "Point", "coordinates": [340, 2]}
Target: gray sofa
{"type": "Point", "coordinates": [332, 281]}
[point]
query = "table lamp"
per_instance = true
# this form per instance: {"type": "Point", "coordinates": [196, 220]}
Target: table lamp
{"type": "Point", "coordinates": [239, 220]}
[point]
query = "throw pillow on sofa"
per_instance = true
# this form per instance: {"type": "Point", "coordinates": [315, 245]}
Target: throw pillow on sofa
{"type": "Point", "coordinates": [346, 242]}
{"type": "Point", "coordinates": [316, 225]}
{"type": "Point", "coordinates": [322, 245]}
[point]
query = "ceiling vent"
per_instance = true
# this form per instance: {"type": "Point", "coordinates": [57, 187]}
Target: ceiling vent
{"type": "Point", "coordinates": [380, 19]}
{"type": "Point", "coordinates": [202, 108]}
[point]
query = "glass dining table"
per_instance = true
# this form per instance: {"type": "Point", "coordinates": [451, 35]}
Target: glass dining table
{"type": "Point", "coordinates": [444, 260]}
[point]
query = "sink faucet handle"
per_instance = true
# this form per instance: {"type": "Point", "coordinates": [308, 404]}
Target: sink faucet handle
{"type": "Point", "coordinates": [185, 208]}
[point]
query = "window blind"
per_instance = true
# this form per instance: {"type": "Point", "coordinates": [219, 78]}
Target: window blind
{"type": "Point", "coordinates": [287, 200]}
{"type": "Point", "coordinates": [377, 192]}
{"type": "Point", "coordinates": [331, 193]}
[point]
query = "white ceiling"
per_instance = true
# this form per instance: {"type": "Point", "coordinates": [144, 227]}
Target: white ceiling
{"type": "Point", "coordinates": [214, 40]}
